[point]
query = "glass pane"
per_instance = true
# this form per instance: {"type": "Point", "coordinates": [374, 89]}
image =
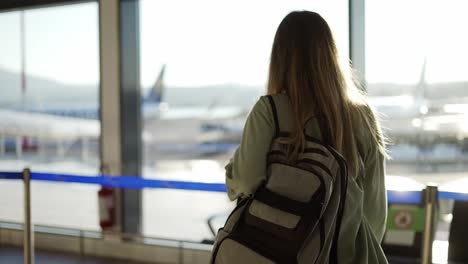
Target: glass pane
{"type": "Point", "coordinates": [416, 60]}
{"type": "Point", "coordinates": [416, 75]}
{"type": "Point", "coordinates": [211, 59]}
{"type": "Point", "coordinates": [49, 81]}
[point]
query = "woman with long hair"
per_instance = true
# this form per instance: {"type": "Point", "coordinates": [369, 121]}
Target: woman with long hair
{"type": "Point", "coordinates": [324, 101]}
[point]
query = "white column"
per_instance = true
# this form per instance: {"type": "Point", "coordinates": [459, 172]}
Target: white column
{"type": "Point", "coordinates": [84, 149]}
{"type": "Point", "coordinates": [41, 145]}
{"type": "Point", "coordinates": [2, 145]}
{"type": "Point", "coordinates": [60, 148]}
{"type": "Point", "coordinates": [110, 143]}
{"type": "Point", "coordinates": [110, 86]}
{"type": "Point", "coordinates": [19, 147]}
{"type": "Point", "coordinates": [120, 102]}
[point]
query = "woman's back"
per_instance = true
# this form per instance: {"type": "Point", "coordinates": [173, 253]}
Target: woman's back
{"type": "Point", "coordinates": [363, 222]}
{"type": "Point", "coordinates": [306, 75]}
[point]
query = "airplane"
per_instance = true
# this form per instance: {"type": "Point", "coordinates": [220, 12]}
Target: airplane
{"type": "Point", "coordinates": [422, 115]}
{"type": "Point", "coordinates": [424, 121]}
{"type": "Point", "coordinates": [418, 119]}
{"type": "Point", "coordinates": [150, 104]}
{"type": "Point", "coordinates": [411, 115]}
{"type": "Point", "coordinates": [167, 131]}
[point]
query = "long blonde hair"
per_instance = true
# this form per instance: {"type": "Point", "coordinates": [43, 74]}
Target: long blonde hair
{"type": "Point", "coordinates": [304, 65]}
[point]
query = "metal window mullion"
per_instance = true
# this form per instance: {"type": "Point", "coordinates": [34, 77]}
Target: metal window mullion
{"type": "Point", "coordinates": [357, 37]}
{"type": "Point", "coordinates": [120, 103]}
{"type": "Point", "coordinates": [130, 122]}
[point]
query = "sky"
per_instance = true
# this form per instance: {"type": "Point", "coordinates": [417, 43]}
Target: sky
{"type": "Point", "coordinates": [212, 42]}
{"type": "Point", "coordinates": [208, 42]}
{"type": "Point", "coordinates": [61, 42]}
{"type": "Point", "coordinates": [401, 33]}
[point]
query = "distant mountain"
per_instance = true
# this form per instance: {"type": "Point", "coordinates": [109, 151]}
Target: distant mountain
{"type": "Point", "coordinates": [389, 89]}
{"type": "Point", "coordinates": [213, 95]}
{"type": "Point", "coordinates": [447, 90]}
{"type": "Point", "coordinates": [42, 92]}
{"type": "Point", "coordinates": [45, 92]}
{"type": "Point", "coordinates": [434, 91]}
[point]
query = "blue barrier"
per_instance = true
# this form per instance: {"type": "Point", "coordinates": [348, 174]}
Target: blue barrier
{"type": "Point", "coordinates": [133, 182]}
{"type": "Point", "coordinates": [463, 197]}
{"type": "Point", "coordinates": [11, 175]}
{"type": "Point", "coordinates": [130, 182]}
{"type": "Point", "coordinates": [404, 197]}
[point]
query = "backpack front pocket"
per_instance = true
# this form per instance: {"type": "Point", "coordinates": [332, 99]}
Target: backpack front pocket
{"type": "Point", "coordinates": [231, 251]}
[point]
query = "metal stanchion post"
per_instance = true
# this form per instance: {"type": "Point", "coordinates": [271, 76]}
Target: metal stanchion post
{"type": "Point", "coordinates": [82, 247]}
{"type": "Point", "coordinates": [27, 230]}
{"type": "Point", "coordinates": [430, 204]}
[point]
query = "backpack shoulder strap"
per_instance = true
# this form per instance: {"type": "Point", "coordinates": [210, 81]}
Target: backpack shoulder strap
{"type": "Point", "coordinates": [275, 114]}
{"type": "Point", "coordinates": [325, 131]}
{"type": "Point", "coordinates": [281, 109]}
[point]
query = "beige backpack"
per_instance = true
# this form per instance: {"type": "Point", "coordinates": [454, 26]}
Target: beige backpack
{"type": "Point", "coordinates": [295, 215]}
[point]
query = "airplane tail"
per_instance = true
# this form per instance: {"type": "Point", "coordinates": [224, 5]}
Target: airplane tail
{"type": "Point", "coordinates": [156, 93]}
{"type": "Point", "coordinates": [420, 91]}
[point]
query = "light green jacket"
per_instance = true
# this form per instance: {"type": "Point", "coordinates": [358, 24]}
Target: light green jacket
{"type": "Point", "coordinates": [365, 211]}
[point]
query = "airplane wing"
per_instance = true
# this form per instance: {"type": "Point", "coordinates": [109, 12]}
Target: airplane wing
{"type": "Point", "coordinates": [201, 113]}
{"type": "Point", "coordinates": [16, 123]}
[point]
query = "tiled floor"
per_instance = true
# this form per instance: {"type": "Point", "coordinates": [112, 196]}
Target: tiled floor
{"type": "Point", "coordinates": [11, 255]}
{"type": "Point", "coordinates": [398, 260]}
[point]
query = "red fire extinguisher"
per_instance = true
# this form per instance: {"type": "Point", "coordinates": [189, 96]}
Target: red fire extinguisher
{"type": "Point", "coordinates": [107, 204]}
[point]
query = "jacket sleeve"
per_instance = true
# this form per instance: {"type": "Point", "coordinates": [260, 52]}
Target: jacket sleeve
{"type": "Point", "coordinates": [375, 194]}
{"type": "Point", "coordinates": [247, 168]}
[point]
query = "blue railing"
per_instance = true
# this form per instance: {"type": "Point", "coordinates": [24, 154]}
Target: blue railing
{"type": "Point", "coordinates": [132, 182]}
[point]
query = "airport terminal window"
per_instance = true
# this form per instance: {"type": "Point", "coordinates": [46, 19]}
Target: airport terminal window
{"type": "Point", "coordinates": [416, 61]}
{"type": "Point", "coordinates": [203, 65]}
{"type": "Point", "coordinates": [49, 86]}
{"type": "Point", "coordinates": [416, 77]}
